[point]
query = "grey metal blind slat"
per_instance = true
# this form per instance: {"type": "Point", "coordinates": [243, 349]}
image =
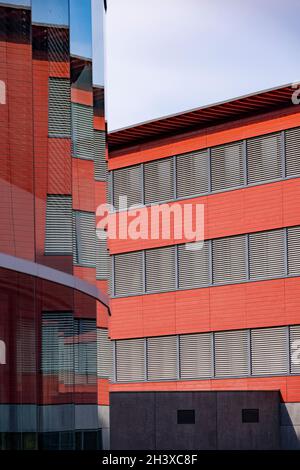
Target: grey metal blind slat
{"type": "Point", "coordinates": [128, 273]}
{"type": "Point", "coordinates": [162, 358]}
{"type": "Point", "coordinates": [293, 234]}
{"type": "Point", "coordinates": [227, 168]}
{"type": "Point", "coordinates": [196, 356]}
{"type": "Point", "coordinates": [58, 240]}
{"type": "Point", "coordinates": [59, 117]}
{"type": "Point", "coordinates": [232, 351]}
{"type": "Point", "coordinates": [104, 354]}
{"type": "Point", "coordinates": [192, 173]}
{"type": "Point", "coordinates": [102, 259]}
{"type": "Point", "coordinates": [292, 151]}
{"type": "Point", "coordinates": [85, 350]}
{"type": "Point", "coordinates": [295, 349]}
{"type": "Point", "coordinates": [193, 266]}
{"type": "Point", "coordinates": [58, 345]}
{"type": "Point", "coordinates": [159, 180]}
{"type": "Point", "coordinates": [82, 131]}
{"type": "Point", "coordinates": [130, 360]}
{"type": "Point", "coordinates": [229, 259]}
{"type": "Point", "coordinates": [269, 348]}
{"type": "Point", "coordinates": [99, 155]}
{"type": "Point", "coordinates": [160, 269]}
{"type": "Point", "coordinates": [127, 182]}
{"type": "Point", "coordinates": [263, 158]}
{"type": "Point", "coordinates": [84, 250]}
{"type": "Point", "coordinates": [267, 252]}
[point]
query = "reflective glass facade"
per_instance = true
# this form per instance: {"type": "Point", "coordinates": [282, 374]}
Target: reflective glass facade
{"type": "Point", "coordinates": [52, 130]}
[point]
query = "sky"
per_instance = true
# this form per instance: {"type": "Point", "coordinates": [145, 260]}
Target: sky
{"type": "Point", "coordinates": [168, 56]}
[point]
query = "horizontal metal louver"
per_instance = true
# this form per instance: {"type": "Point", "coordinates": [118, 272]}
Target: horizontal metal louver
{"type": "Point", "coordinates": [82, 131]}
{"type": "Point", "coordinates": [227, 167]}
{"type": "Point", "coordinates": [293, 238]}
{"type": "Point", "coordinates": [264, 161]}
{"type": "Point", "coordinates": [160, 269]}
{"type": "Point", "coordinates": [229, 259]}
{"type": "Point", "coordinates": [267, 254]}
{"type": "Point", "coordinates": [99, 156]}
{"type": "Point", "coordinates": [58, 239]}
{"type": "Point", "coordinates": [104, 354]}
{"type": "Point", "coordinates": [162, 358]}
{"type": "Point", "coordinates": [59, 116]}
{"type": "Point", "coordinates": [159, 180]}
{"type": "Point", "coordinates": [295, 349]}
{"type": "Point", "coordinates": [232, 351]}
{"type": "Point", "coordinates": [58, 345]}
{"type": "Point", "coordinates": [85, 362]}
{"type": "Point", "coordinates": [196, 356]}
{"type": "Point", "coordinates": [84, 246]}
{"type": "Point", "coordinates": [25, 331]}
{"type": "Point", "coordinates": [128, 273]}
{"type": "Point", "coordinates": [193, 266]}
{"type": "Point", "coordinates": [292, 152]}
{"type": "Point", "coordinates": [192, 173]}
{"type": "Point", "coordinates": [269, 348]}
{"type": "Point", "coordinates": [102, 258]}
{"type": "Point", "coordinates": [130, 360]}
{"type": "Point", "coordinates": [127, 182]}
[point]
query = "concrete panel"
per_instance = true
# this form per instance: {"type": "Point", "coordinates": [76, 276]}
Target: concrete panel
{"type": "Point", "coordinates": [290, 414]}
{"type": "Point", "coordinates": [132, 421]}
{"type": "Point", "coordinates": [172, 436]}
{"type": "Point", "coordinates": [290, 437]}
{"type": "Point", "coordinates": [86, 417]}
{"type": "Point", "coordinates": [18, 418]}
{"type": "Point", "coordinates": [103, 419]}
{"type": "Point", "coordinates": [233, 434]}
{"type": "Point", "coordinates": [56, 418]}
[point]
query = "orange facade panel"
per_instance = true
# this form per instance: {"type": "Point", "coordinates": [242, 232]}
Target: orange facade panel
{"type": "Point", "coordinates": [238, 306]}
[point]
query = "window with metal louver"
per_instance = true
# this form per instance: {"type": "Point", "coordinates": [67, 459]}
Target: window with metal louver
{"type": "Point", "coordinates": [159, 180]}
{"type": "Point", "coordinates": [104, 354]}
{"type": "Point", "coordinates": [232, 352]}
{"type": "Point", "coordinates": [160, 269]}
{"type": "Point", "coordinates": [82, 131]}
{"type": "Point", "coordinates": [127, 182]}
{"type": "Point", "coordinates": [130, 360]}
{"type": "Point", "coordinates": [99, 156]}
{"type": "Point", "coordinates": [192, 173]}
{"type": "Point", "coordinates": [229, 259]}
{"type": "Point", "coordinates": [264, 161]}
{"type": "Point", "coordinates": [295, 349]}
{"type": "Point", "coordinates": [269, 348]}
{"type": "Point", "coordinates": [128, 273]}
{"type": "Point", "coordinates": [85, 362]}
{"type": "Point", "coordinates": [193, 266]}
{"type": "Point", "coordinates": [102, 258]}
{"type": "Point", "coordinates": [84, 240]}
{"type": "Point", "coordinates": [293, 239]}
{"type": "Point", "coordinates": [267, 254]}
{"type": "Point", "coordinates": [162, 358]}
{"type": "Point", "coordinates": [59, 116]}
{"type": "Point", "coordinates": [196, 356]}
{"type": "Point", "coordinates": [292, 152]}
{"type": "Point", "coordinates": [58, 239]}
{"type": "Point", "coordinates": [227, 167]}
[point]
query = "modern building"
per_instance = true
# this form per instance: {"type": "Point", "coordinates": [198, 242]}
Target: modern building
{"type": "Point", "coordinates": [207, 342]}
{"type": "Point", "coordinates": [53, 268]}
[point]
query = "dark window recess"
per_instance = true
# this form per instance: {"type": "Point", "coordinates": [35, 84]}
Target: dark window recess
{"type": "Point", "coordinates": [185, 416]}
{"type": "Point", "coordinates": [250, 415]}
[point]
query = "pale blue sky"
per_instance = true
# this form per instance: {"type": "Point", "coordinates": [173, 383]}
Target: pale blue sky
{"type": "Point", "coordinates": [167, 56]}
